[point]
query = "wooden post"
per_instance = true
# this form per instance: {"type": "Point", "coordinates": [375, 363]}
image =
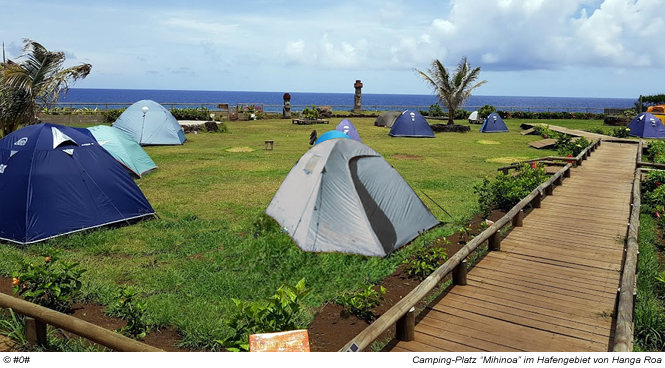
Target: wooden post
{"type": "Point", "coordinates": [536, 200]}
{"type": "Point", "coordinates": [494, 241]}
{"type": "Point", "coordinates": [35, 331]}
{"type": "Point", "coordinates": [566, 174]}
{"type": "Point", "coordinates": [548, 190]}
{"type": "Point", "coordinates": [559, 180]}
{"type": "Point", "coordinates": [405, 326]}
{"type": "Point", "coordinates": [504, 170]}
{"type": "Point", "coordinates": [459, 273]}
{"type": "Point", "coordinates": [518, 219]}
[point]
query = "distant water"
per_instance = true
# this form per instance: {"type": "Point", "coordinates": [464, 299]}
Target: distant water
{"type": "Point", "coordinates": [273, 101]}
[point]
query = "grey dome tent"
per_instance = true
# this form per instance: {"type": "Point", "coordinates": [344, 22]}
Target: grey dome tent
{"type": "Point", "coordinates": [342, 196]}
{"type": "Point", "coordinates": [387, 119]}
{"type": "Point", "coordinates": [149, 123]}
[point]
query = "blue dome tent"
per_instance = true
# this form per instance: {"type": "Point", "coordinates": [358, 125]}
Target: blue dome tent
{"type": "Point", "coordinates": [411, 124]}
{"type": "Point", "coordinates": [346, 126]}
{"type": "Point", "coordinates": [55, 180]}
{"type": "Point", "coordinates": [121, 146]}
{"type": "Point", "coordinates": [331, 135]}
{"type": "Point", "coordinates": [149, 123]}
{"type": "Point", "coordinates": [646, 125]}
{"type": "Point", "coordinates": [493, 124]}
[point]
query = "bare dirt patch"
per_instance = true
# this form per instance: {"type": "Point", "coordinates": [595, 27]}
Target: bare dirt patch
{"type": "Point", "coordinates": [240, 149]}
{"type": "Point", "coordinates": [407, 157]}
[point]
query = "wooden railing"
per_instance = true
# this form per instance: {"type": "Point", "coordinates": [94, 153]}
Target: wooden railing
{"type": "Point", "coordinates": [38, 317]}
{"type": "Point", "coordinates": [402, 314]}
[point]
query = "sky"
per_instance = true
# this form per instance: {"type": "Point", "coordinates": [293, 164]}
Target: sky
{"type": "Point", "coordinates": [556, 48]}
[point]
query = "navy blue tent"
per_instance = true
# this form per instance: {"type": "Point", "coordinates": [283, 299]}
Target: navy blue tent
{"type": "Point", "coordinates": [346, 126]}
{"type": "Point", "coordinates": [646, 125]}
{"type": "Point", "coordinates": [56, 180]}
{"type": "Point", "coordinates": [411, 124]}
{"type": "Point", "coordinates": [493, 124]}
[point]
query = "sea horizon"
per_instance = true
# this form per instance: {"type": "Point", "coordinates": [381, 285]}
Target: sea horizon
{"type": "Point", "coordinates": [273, 101]}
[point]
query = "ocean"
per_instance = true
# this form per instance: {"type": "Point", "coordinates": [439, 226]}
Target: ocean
{"type": "Point", "coordinates": [273, 101]}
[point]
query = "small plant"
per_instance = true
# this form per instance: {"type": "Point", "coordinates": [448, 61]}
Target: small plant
{"type": "Point", "coordinates": [13, 327]}
{"type": "Point", "coordinates": [310, 113]}
{"type": "Point", "coordinates": [134, 312]}
{"type": "Point", "coordinates": [281, 312]}
{"type": "Point", "coordinates": [464, 234]}
{"type": "Point", "coordinates": [621, 132]}
{"type": "Point", "coordinates": [425, 261]}
{"type": "Point", "coordinates": [507, 190]}
{"type": "Point", "coordinates": [435, 110]}
{"type": "Point", "coordinates": [485, 111]}
{"type": "Point", "coordinates": [50, 284]}
{"type": "Point", "coordinates": [360, 303]}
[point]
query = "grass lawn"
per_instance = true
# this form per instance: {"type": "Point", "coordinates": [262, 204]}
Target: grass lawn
{"type": "Point", "coordinates": [205, 248]}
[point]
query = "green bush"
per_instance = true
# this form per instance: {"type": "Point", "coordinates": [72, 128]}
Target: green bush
{"type": "Point", "coordinates": [360, 303]}
{"type": "Point", "coordinates": [621, 132]}
{"type": "Point", "coordinates": [191, 113]}
{"type": "Point", "coordinates": [656, 152]}
{"type": "Point", "coordinates": [281, 312]}
{"type": "Point", "coordinates": [461, 114]}
{"type": "Point", "coordinates": [110, 116]}
{"type": "Point", "coordinates": [435, 110]}
{"type": "Point", "coordinates": [310, 113]}
{"type": "Point", "coordinates": [485, 111]}
{"type": "Point", "coordinates": [50, 284]}
{"type": "Point", "coordinates": [132, 311]}
{"type": "Point", "coordinates": [505, 191]}
{"type": "Point", "coordinates": [566, 146]}
{"type": "Point", "coordinates": [425, 261]}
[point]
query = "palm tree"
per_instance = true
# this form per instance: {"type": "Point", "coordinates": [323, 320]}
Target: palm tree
{"type": "Point", "coordinates": [32, 84]}
{"type": "Point", "coordinates": [452, 90]}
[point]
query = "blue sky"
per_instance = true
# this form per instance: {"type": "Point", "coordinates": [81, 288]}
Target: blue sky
{"type": "Point", "coordinates": [576, 48]}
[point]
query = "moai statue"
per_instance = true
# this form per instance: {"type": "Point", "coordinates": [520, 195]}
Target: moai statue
{"type": "Point", "coordinates": [286, 111]}
{"type": "Point", "coordinates": [357, 101]}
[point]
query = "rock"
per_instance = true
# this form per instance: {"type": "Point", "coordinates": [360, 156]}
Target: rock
{"type": "Point", "coordinates": [211, 126]}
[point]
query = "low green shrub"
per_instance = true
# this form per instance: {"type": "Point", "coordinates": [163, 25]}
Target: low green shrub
{"type": "Point", "coordinates": [281, 312]}
{"type": "Point", "coordinates": [191, 113]}
{"type": "Point", "coordinates": [425, 261]}
{"type": "Point", "coordinates": [656, 152]}
{"type": "Point", "coordinates": [51, 284]}
{"type": "Point", "coordinates": [110, 116]}
{"type": "Point", "coordinates": [485, 111]}
{"type": "Point", "coordinates": [131, 310]}
{"type": "Point", "coordinates": [505, 191]}
{"type": "Point", "coordinates": [435, 110]}
{"type": "Point", "coordinates": [566, 146]}
{"type": "Point", "coordinates": [360, 303]}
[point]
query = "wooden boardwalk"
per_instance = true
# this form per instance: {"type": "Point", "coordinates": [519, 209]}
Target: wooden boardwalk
{"type": "Point", "coordinates": [553, 285]}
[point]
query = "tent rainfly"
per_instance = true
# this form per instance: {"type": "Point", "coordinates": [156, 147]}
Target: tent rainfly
{"type": "Point", "coordinates": [493, 124]}
{"type": "Point", "coordinates": [646, 125]}
{"type": "Point", "coordinates": [411, 123]}
{"type": "Point", "coordinates": [473, 118]}
{"type": "Point", "coordinates": [331, 135]}
{"type": "Point", "coordinates": [121, 146]}
{"type": "Point", "coordinates": [346, 126]}
{"type": "Point", "coordinates": [149, 123]}
{"type": "Point", "coordinates": [342, 196]}
{"type": "Point", "coordinates": [56, 180]}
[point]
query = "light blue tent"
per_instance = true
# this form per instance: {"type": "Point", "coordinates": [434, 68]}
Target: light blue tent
{"type": "Point", "coordinates": [331, 135]}
{"type": "Point", "coordinates": [121, 146]}
{"type": "Point", "coordinates": [493, 124]}
{"type": "Point", "coordinates": [346, 126]}
{"type": "Point", "coordinates": [149, 123]}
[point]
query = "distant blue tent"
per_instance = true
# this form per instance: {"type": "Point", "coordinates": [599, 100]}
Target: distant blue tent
{"type": "Point", "coordinates": [56, 180]}
{"type": "Point", "coordinates": [493, 124]}
{"type": "Point", "coordinates": [331, 135]}
{"type": "Point", "coordinates": [347, 127]}
{"type": "Point", "coordinates": [646, 125]}
{"type": "Point", "coordinates": [411, 124]}
{"type": "Point", "coordinates": [155, 126]}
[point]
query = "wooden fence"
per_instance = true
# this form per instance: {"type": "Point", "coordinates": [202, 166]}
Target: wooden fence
{"type": "Point", "coordinates": [38, 317]}
{"type": "Point", "coordinates": [402, 314]}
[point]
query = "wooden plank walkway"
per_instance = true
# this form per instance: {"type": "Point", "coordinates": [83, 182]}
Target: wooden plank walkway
{"type": "Point", "coordinates": [553, 285]}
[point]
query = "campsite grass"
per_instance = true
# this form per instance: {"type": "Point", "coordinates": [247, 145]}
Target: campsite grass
{"type": "Point", "coordinates": [205, 249]}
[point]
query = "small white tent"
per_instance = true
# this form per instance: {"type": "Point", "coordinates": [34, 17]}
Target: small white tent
{"type": "Point", "coordinates": [473, 118]}
{"type": "Point", "coordinates": [342, 196]}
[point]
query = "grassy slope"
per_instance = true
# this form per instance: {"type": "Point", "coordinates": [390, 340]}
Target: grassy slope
{"type": "Point", "coordinates": [201, 252]}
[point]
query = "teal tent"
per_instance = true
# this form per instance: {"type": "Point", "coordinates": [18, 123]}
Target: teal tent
{"type": "Point", "coordinates": [150, 123]}
{"type": "Point", "coordinates": [121, 146]}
